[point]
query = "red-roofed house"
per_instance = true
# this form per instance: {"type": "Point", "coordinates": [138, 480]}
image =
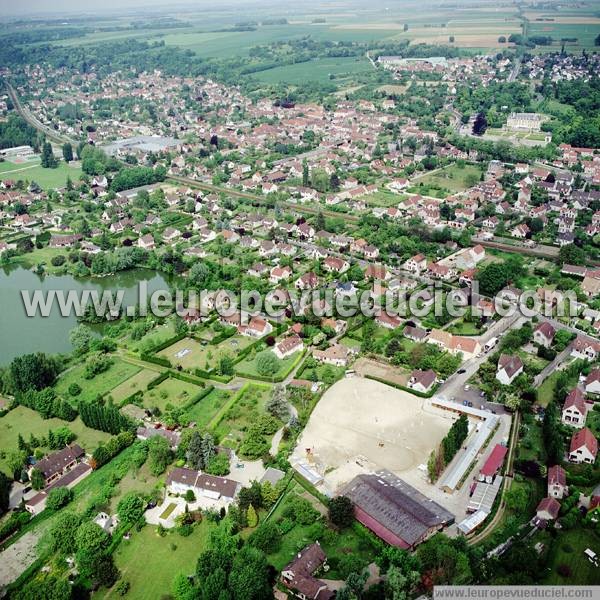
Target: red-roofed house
{"type": "Point", "coordinates": [584, 447]}
{"type": "Point", "coordinates": [574, 409]}
{"type": "Point", "coordinates": [543, 334]}
{"type": "Point", "coordinates": [592, 382]}
{"type": "Point", "coordinates": [557, 482]}
{"type": "Point", "coordinates": [548, 509]}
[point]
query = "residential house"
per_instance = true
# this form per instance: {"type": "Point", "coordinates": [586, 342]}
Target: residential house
{"type": "Point", "coordinates": [543, 334]}
{"type": "Point", "coordinates": [509, 368]}
{"type": "Point", "coordinates": [548, 509]}
{"type": "Point", "coordinates": [336, 355]}
{"type": "Point", "coordinates": [574, 410]}
{"type": "Point", "coordinates": [557, 482]}
{"type": "Point", "coordinates": [55, 465]}
{"type": "Point", "coordinates": [585, 348]}
{"type": "Point", "coordinates": [422, 381]}
{"type": "Point", "coordinates": [180, 480]}
{"type": "Point", "coordinates": [592, 382]}
{"type": "Point", "coordinates": [584, 447]}
{"type": "Point", "coordinates": [298, 575]}
{"type": "Point", "coordinates": [288, 346]}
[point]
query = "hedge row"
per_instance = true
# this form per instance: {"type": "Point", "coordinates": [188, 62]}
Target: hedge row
{"type": "Point", "coordinates": [212, 375]}
{"type": "Point", "coordinates": [158, 380]}
{"type": "Point", "coordinates": [157, 360]}
{"type": "Point", "coordinates": [199, 396]}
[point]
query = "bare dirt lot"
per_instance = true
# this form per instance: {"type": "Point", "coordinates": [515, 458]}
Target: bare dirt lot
{"type": "Point", "coordinates": [367, 366]}
{"type": "Point", "coordinates": [361, 425]}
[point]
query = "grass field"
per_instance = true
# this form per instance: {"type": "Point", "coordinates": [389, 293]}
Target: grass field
{"type": "Point", "coordinates": [163, 558]}
{"type": "Point", "coordinates": [453, 178]}
{"type": "Point", "coordinates": [202, 412]}
{"type": "Point", "coordinates": [156, 336]}
{"type": "Point", "coordinates": [101, 384]}
{"type": "Point", "coordinates": [585, 32]}
{"type": "Point", "coordinates": [46, 178]}
{"type": "Point", "coordinates": [171, 391]}
{"type": "Point", "coordinates": [25, 421]}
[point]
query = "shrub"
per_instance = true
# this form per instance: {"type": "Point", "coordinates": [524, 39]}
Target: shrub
{"type": "Point", "coordinates": [74, 389]}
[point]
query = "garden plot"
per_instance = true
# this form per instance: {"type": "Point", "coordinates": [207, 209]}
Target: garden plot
{"type": "Point", "coordinates": [170, 391]}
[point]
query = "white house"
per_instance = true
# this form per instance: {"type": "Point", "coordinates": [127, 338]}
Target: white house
{"type": "Point", "coordinates": [509, 368]}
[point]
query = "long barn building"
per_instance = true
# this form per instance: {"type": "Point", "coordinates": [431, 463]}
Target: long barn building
{"type": "Point", "coordinates": [394, 510]}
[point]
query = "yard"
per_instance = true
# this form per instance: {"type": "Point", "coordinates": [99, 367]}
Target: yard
{"type": "Point", "coordinates": [101, 384]}
{"type": "Point", "coordinates": [163, 559]}
{"type": "Point", "coordinates": [156, 336]}
{"type": "Point", "coordinates": [247, 367]}
{"type": "Point", "coordinates": [452, 178]}
{"type": "Point", "coordinates": [335, 545]}
{"type": "Point", "coordinates": [25, 421]}
{"type": "Point", "coordinates": [246, 408]}
{"type": "Point", "coordinates": [568, 551]}
{"type": "Point", "coordinates": [191, 354]}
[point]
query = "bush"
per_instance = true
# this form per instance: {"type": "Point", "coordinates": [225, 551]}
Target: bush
{"type": "Point", "coordinates": [59, 497]}
{"type": "Point", "coordinates": [58, 261]}
{"type": "Point", "coordinates": [74, 389]}
{"type": "Point", "coordinates": [122, 587]}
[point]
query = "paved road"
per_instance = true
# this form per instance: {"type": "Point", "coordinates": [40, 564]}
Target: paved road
{"type": "Point", "coordinates": [453, 387]}
{"type": "Point", "coordinates": [516, 70]}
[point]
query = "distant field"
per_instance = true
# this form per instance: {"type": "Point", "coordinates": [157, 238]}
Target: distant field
{"type": "Point", "coordinates": [321, 71]}
{"type": "Point", "coordinates": [585, 32]}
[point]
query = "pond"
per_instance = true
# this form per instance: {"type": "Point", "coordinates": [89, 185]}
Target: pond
{"type": "Point", "coordinates": [21, 334]}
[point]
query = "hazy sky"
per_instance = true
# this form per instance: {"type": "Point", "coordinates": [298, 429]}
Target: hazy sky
{"type": "Point", "coordinates": [54, 7]}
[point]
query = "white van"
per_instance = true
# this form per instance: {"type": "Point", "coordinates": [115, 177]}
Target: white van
{"type": "Point", "coordinates": [591, 556]}
{"type": "Point", "coordinates": [491, 343]}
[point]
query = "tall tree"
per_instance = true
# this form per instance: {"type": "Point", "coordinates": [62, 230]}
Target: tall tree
{"type": "Point", "coordinates": [67, 151]}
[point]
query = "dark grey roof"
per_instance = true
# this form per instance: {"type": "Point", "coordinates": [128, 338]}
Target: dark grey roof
{"type": "Point", "coordinates": [396, 505]}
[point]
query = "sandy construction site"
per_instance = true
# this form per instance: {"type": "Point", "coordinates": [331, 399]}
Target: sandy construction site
{"type": "Point", "coordinates": [361, 425]}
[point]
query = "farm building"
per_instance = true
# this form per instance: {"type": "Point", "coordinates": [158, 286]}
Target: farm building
{"type": "Point", "coordinates": [493, 463]}
{"type": "Point", "coordinates": [395, 511]}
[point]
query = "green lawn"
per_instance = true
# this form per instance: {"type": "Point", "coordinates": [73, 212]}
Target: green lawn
{"type": "Point", "coordinates": [203, 412]}
{"type": "Point", "coordinates": [156, 336]}
{"type": "Point", "coordinates": [546, 390]}
{"type": "Point", "coordinates": [150, 562]}
{"type": "Point", "coordinates": [103, 383]}
{"type": "Point", "coordinates": [46, 178]}
{"type": "Point", "coordinates": [568, 550]}
{"type": "Point", "coordinates": [26, 421]}
{"type": "Point", "coordinates": [170, 391]}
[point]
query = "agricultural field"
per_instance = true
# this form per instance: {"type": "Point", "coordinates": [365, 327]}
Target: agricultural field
{"type": "Point", "coordinates": [584, 29]}
{"type": "Point", "coordinates": [24, 421]}
{"type": "Point", "coordinates": [325, 70]}
{"type": "Point", "coordinates": [101, 384]}
{"type": "Point", "coordinates": [154, 579]}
